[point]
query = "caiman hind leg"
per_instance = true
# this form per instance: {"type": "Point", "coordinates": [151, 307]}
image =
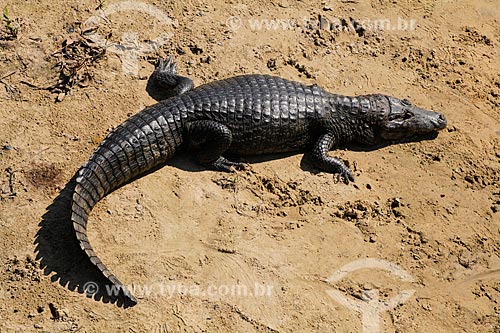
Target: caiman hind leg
{"type": "Point", "coordinates": [327, 163]}
{"type": "Point", "coordinates": [165, 78]}
{"type": "Point", "coordinates": [212, 139]}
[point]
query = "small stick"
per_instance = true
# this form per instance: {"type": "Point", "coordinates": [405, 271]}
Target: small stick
{"type": "Point", "coordinates": [7, 75]}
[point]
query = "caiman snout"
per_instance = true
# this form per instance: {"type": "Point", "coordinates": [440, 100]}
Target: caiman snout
{"type": "Point", "coordinates": [428, 120]}
{"type": "Point", "coordinates": [440, 122]}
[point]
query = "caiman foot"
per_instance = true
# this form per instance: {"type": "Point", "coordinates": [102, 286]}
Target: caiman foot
{"type": "Point", "coordinates": [223, 164]}
{"type": "Point", "coordinates": [344, 175]}
{"type": "Point", "coordinates": [166, 77]}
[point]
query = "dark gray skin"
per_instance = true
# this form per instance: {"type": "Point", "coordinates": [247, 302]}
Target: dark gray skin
{"type": "Point", "coordinates": [243, 115]}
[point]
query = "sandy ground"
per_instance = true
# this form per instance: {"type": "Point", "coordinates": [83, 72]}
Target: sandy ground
{"type": "Point", "coordinates": [256, 250]}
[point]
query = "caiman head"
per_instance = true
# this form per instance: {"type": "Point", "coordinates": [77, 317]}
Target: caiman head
{"type": "Point", "coordinates": [396, 120]}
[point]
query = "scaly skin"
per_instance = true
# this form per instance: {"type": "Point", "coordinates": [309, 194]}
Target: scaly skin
{"type": "Point", "coordinates": [243, 115]}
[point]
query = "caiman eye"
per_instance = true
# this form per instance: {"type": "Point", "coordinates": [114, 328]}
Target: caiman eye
{"type": "Point", "coordinates": [406, 102]}
{"type": "Point", "coordinates": [401, 116]}
{"type": "Point", "coordinates": [394, 116]}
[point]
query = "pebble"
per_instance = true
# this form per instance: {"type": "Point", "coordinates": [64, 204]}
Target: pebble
{"type": "Point", "coordinates": [368, 286]}
{"type": "Point", "coordinates": [395, 203]}
{"type": "Point", "coordinates": [469, 179]}
{"type": "Point", "coordinates": [60, 97]}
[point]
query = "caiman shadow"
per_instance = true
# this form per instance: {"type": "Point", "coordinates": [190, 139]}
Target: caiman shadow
{"type": "Point", "coordinates": [364, 148]}
{"type": "Point", "coordinates": [60, 256]}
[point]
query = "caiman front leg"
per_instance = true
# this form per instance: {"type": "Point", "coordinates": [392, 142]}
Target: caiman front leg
{"type": "Point", "coordinates": [213, 139]}
{"type": "Point", "coordinates": [327, 163]}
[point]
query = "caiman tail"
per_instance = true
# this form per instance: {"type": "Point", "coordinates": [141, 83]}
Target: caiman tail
{"type": "Point", "coordinates": [142, 142]}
